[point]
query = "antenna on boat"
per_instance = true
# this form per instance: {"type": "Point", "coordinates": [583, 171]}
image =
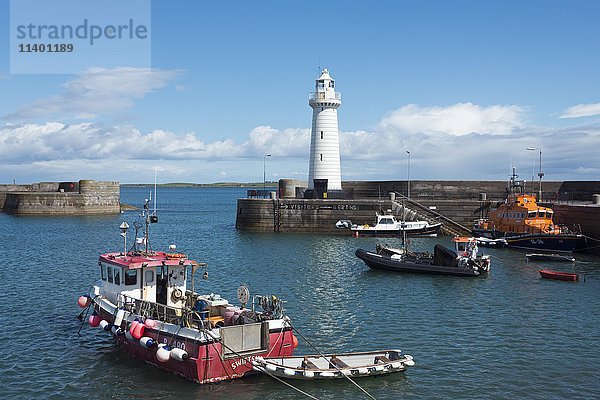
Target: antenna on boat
{"type": "Point", "coordinates": [149, 218]}
{"type": "Point", "coordinates": [154, 191]}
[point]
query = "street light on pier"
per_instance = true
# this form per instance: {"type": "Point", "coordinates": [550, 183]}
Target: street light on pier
{"type": "Point", "coordinates": [265, 174]}
{"type": "Point", "coordinates": [408, 175]}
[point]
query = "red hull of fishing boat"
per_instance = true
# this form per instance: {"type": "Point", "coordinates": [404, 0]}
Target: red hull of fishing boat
{"type": "Point", "coordinates": [206, 363]}
{"type": "Point", "coordinates": [561, 276]}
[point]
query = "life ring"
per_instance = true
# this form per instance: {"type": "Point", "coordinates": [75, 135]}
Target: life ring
{"type": "Point", "coordinates": [176, 255]}
{"type": "Point", "coordinates": [176, 294]}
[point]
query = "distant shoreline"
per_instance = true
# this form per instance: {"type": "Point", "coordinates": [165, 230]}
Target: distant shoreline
{"type": "Point", "coordinates": [196, 185]}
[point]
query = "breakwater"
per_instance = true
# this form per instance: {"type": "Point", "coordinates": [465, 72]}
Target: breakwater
{"type": "Point", "coordinates": [61, 198]}
{"type": "Point", "coordinates": [459, 201]}
{"type": "Point", "coordinates": [300, 215]}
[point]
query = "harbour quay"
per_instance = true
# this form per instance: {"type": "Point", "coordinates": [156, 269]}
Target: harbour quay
{"type": "Point", "coordinates": [81, 197]}
{"type": "Point", "coordinates": [454, 203]}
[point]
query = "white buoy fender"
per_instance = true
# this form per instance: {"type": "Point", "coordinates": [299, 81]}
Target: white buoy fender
{"type": "Point", "coordinates": [396, 365]}
{"type": "Point", "coordinates": [271, 367]}
{"type": "Point", "coordinates": [309, 374]}
{"type": "Point", "coordinates": [289, 372]}
{"type": "Point", "coordinates": [145, 341]}
{"type": "Point", "coordinates": [163, 353]}
{"type": "Point", "coordinates": [114, 329]}
{"type": "Point", "coordinates": [105, 325]}
{"type": "Point", "coordinates": [179, 354]}
{"type": "Point", "coordinates": [363, 371]}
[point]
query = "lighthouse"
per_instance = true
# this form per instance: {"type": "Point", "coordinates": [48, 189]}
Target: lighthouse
{"type": "Point", "coordinates": [324, 172]}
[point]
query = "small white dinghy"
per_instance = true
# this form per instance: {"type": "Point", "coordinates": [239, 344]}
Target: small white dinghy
{"type": "Point", "coordinates": [330, 366]}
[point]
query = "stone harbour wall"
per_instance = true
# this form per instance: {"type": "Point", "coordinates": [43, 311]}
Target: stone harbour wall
{"type": "Point", "coordinates": [298, 215]}
{"type": "Point", "coordinates": [61, 198]}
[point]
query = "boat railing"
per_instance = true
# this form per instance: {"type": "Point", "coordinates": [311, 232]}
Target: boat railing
{"type": "Point", "coordinates": [160, 312]}
{"type": "Point", "coordinates": [187, 315]}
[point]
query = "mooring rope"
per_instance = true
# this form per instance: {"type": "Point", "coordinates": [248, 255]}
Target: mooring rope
{"type": "Point", "coordinates": [335, 366]}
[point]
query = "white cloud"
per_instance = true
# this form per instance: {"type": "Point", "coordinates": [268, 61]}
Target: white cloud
{"type": "Point", "coordinates": [97, 91]}
{"type": "Point", "coordinates": [457, 119]}
{"type": "Point", "coordinates": [581, 110]}
{"type": "Point", "coordinates": [291, 142]}
{"type": "Point", "coordinates": [69, 151]}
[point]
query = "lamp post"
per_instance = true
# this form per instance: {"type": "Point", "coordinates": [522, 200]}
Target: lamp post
{"type": "Point", "coordinates": [408, 175]}
{"type": "Point", "coordinates": [540, 174]}
{"type": "Point", "coordinates": [265, 174]}
{"type": "Point", "coordinates": [532, 166]}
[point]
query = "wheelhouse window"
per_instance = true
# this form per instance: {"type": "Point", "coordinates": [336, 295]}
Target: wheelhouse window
{"type": "Point", "coordinates": [387, 221]}
{"type": "Point", "coordinates": [149, 276]}
{"type": "Point", "coordinates": [103, 271]}
{"type": "Point", "coordinates": [131, 277]}
{"type": "Point", "coordinates": [117, 276]}
{"type": "Point", "coordinates": [531, 214]}
{"type": "Point", "coordinates": [542, 214]}
{"type": "Point", "coordinates": [110, 274]}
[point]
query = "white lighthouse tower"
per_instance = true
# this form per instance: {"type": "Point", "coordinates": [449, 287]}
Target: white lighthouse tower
{"type": "Point", "coordinates": [324, 165]}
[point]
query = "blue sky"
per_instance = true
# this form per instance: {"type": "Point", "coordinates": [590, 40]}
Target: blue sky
{"type": "Point", "coordinates": [466, 86]}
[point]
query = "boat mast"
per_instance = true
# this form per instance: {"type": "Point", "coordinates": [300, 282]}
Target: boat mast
{"type": "Point", "coordinates": [540, 174]}
{"type": "Point", "coordinates": [147, 222]}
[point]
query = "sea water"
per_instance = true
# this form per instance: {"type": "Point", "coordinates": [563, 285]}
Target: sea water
{"type": "Point", "coordinates": [506, 335]}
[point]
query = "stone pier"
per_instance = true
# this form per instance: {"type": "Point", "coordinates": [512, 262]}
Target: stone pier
{"type": "Point", "coordinates": [61, 198]}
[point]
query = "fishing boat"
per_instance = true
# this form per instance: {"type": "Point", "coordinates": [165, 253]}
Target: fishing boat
{"type": "Point", "coordinates": [464, 261]}
{"type": "Point", "coordinates": [387, 225]}
{"type": "Point", "coordinates": [549, 257]}
{"type": "Point", "coordinates": [524, 224]}
{"type": "Point", "coordinates": [331, 366]}
{"type": "Point", "coordinates": [557, 275]}
{"type": "Point", "coordinates": [142, 300]}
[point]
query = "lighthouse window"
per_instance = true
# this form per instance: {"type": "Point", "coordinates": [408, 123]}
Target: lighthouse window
{"type": "Point", "coordinates": [103, 272]}
{"type": "Point", "coordinates": [321, 156]}
{"type": "Point", "coordinates": [130, 277]}
{"type": "Point", "coordinates": [321, 134]}
{"type": "Point", "coordinates": [110, 275]}
{"type": "Point", "coordinates": [117, 276]}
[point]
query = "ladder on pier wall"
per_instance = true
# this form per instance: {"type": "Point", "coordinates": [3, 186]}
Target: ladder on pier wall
{"type": "Point", "coordinates": [449, 227]}
{"type": "Point", "coordinates": [276, 215]}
